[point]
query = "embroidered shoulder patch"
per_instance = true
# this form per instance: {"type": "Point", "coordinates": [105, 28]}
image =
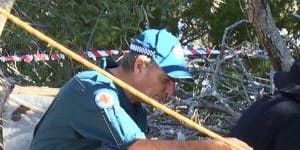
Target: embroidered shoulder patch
{"type": "Point", "coordinates": [104, 99]}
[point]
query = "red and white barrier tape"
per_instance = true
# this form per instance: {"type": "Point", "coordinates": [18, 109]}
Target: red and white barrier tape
{"type": "Point", "coordinates": [94, 54]}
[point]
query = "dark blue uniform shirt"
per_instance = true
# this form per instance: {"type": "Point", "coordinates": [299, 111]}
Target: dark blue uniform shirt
{"type": "Point", "coordinates": [271, 123]}
{"type": "Point", "coordinates": [90, 112]}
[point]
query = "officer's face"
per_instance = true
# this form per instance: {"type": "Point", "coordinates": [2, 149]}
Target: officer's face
{"type": "Point", "coordinates": [157, 84]}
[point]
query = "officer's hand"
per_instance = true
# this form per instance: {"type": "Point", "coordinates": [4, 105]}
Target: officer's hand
{"type": "Point", "coordinates": [219, 145]}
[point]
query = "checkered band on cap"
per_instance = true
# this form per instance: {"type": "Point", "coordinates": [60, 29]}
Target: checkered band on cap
{"type": "Point", "coordinates": [142, 50]}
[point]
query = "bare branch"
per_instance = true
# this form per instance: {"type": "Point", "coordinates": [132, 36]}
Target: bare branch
{"type": "Point", "coordinates": [296, 15]}
{"type": "Point", "coordinates": [229, 28]}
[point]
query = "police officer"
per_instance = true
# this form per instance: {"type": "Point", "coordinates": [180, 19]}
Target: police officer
{"type": "Point", "coordinates": [91, 112]}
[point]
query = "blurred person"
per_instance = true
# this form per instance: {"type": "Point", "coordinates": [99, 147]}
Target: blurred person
{"type": "Point", "coordinates": [273, 122]}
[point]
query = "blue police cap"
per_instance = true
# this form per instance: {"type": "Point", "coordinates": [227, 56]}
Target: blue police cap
{"type": "Point", "coordinates": [165, 49]}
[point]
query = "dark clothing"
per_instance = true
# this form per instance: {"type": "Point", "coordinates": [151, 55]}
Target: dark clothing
{"type": "Point", "coordinates": [90, 112]}
{"type": "Point", "coordinates": [271, 123]}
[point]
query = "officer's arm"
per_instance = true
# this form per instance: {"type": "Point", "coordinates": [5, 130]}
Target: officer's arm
{"type": "Point", "coordinates": [184, 145]}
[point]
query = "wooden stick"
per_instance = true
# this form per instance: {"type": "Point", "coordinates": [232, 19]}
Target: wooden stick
{"type": "Point", "coordinates": [33, 90]}
{"type": "Point", "coordinates": [119, 82]}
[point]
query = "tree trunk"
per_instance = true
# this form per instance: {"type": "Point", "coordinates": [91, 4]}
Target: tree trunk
{"type": "Point", "coordinates": [259, 14]}
{"type": "Point", "coordinates": [5, 89]}
{"type": "Point", "coordinates": [7, 4]}
{"type": "Point", "coordinates": [5, 86]}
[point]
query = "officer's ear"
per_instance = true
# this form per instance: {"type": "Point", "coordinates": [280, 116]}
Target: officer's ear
{"type": "Point", "coordinates": [141, 63]}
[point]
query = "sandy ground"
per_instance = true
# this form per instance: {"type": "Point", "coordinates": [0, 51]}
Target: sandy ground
{"type": "Point", "coordinates": [18, 125]}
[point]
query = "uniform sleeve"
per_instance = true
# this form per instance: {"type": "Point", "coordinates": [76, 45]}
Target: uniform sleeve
{"type": "Point", "coordinates": [122, 127]}
{"type": "Point", "coordinates": [289, 135]}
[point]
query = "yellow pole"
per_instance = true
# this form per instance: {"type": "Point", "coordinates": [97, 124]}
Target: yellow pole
{"type": "Point", "coordinates": [119, 82]}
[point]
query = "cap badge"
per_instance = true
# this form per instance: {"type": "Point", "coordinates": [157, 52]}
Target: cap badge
{"type": "Point", "coordinates": [177, 50]}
